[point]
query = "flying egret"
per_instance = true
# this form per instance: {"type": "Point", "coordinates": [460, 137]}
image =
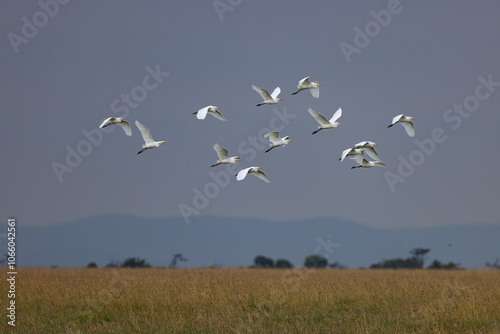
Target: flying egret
{"type": "Point", "coordinates": [368, 146]}
{"type": "Point", "coordinates": [312, 86]}
{"type": "Point", "coordinates": [406, 121]}
{"type": "Point", "coordinates": [365, 163]}
{"type": "Point", "coordinates": [212, 110]}
{"type": "Point", "coordinates": [146, 135]}
{"type": "Point", "coordinates": [268, 99]}
{"type": "Point", "coordinates": [351, 152]}
{"type": "Point", "coordinates": [276, 140]}
{"type": "Point", "coordinates": [323, 122]}
{"type": "Point", "coordinates": [252, 170]}
{"type": "Point", "coordinates": [118, 121]}
{"type": "Point", "coordinates": [224, 156]}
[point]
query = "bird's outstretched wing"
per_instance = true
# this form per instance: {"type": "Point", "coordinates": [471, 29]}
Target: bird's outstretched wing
{"type": "Point", "coordinates": [146, 135]}
{"type": "Point", "coordinates": [242, 174]}
{"type": "Point", "coordinates": [202, 113]}
{"type": "Point", "coordinates": [105, 122]}
{"type": "Point", "coordinates": [260, 174]}
{"type": "Point", "coordinates": [126, 127]}
{"type": "Point", "coordinates": [218, 115]}
{"type": "Point", "coordinates": [318, 117]}
{"type": "Point", "coordinates": [273, 136]}
{"type": "Point", "coordinates": [315, 92]}
{"type": "Point", "coordinates": [336, 116]}
{"type": "Point", "coordinates": [221, 152]}
{"type": "Point", "coordinates": [263, 93]}
{"type": "Point", "coordinates": [345, 153]}
{"type": "Point", "coordinates": [410, 128]}
{"type": "Point", "coordinates": [358, 158]}
{"type": "Point", "coordinates": [396, 118]}
{"type": "Point", "coordinates": [276, 92]}
{"type": "Point", "coordinates": [304, 82]}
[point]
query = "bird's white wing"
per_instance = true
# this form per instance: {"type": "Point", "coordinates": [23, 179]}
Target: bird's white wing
{"type": "Point", "coordinates": [260, 174]}
{"type": "Point", "coordinates": [358, 158]}
{"type": "Point", "coordinates": [263, 93]}
{"type": "Point", "coordinates": [218, 115]}
{"type": "Point", "coordinates": [304, 82]}
{"type": "Point", "coordinates": [372, 153]}
{"type": "Point", "coordinates": [410, 128]}
{"type": "Point", "coordinates": [336, 116]}
{"type": "Point", "coordinates": [146, 135]}
{"type": "Point", "coordinates": [202, 113]}
{"type": "Point", "coordinates": [105, 122]}
{"type": "Point", "coordinates": [315, 92]}
{"type": "Point", "coordinates": [276, 92]}
{"type": "Point", "coordinates": [242, 174]}
{"type": "Point", "coordinates": [318, 117]}
{"type": "Point", "coordinates": [344, 154]}
{"type": "Point", "coordinates": [396, 118]}
{"type": "Point", "coordinates": [273, 136]}
{"type": "Point", "coordinates": [221, 152]}
{"type": "Point", "coordinates": [126, 127]}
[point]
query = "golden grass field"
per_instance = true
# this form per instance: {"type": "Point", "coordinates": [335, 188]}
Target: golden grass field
{"type": "Point", "coordinates": [254, 301]}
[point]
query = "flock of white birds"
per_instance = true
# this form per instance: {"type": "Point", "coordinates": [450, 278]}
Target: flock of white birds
{"type": "Point", "coordinates": [356, 153]}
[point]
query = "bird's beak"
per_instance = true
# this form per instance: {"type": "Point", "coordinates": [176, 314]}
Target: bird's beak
{"type": "Point", "coordinates": [320, 84]}
{"type": "Point", "coordinates": [259, 167]}
{"type": "Point", "coordinates": [217, 108]}
{"type": "Point", "coordinates": [236, 159]}
{"type": "Point", "coordinates": [122, 118]}
{"type": "Point", "coordinates": [280, 99]}
{"type": "Point", "coordinates": [340, 124]}
{"type": "Point", "coordinates": [412, 118]}
{"type": "Point", "coordinates": [375, 145]}
{"type": "Point", "coordinates": [291, 141]}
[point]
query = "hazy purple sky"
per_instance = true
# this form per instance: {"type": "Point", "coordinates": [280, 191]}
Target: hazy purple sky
{"type": "Point", "coordinates": [62, 78]}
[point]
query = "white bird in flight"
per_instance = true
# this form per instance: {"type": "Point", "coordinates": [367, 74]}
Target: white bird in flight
{"type": "Point", "coordinates": [268, 99]}
{"type": "Point", "coordinates": [312, 86]}
{"type": "Point", "coordinates": [118, 121]}
{"type": "Point", "coordinates": [252, 170]}
{"type": "Point", "coordinates": [323, 122]}
{"type": "Point", "coordinates": [368, 146]}
{"type": "Point", "coordinates": [212, 110]}
{"type": "Point", "coordinates": [148, 139]}
{"type": "Point", "coordinates": [276, 140]}
{"type": "Point", "coordinates": [365, 163]}
{"type": "Point", "coordinates": [406, 121]}
{"type": "Point", "coordinates": [351, 152]}
{"type": "Point", "coordinates": [224, 156]}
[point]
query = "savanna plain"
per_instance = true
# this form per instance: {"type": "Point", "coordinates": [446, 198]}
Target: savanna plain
{"type": "Point", "coordinates": [254, 301]}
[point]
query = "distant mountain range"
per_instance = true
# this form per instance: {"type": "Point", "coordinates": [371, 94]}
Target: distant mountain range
{"type": "Point", "coordinates": [234, 242]}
